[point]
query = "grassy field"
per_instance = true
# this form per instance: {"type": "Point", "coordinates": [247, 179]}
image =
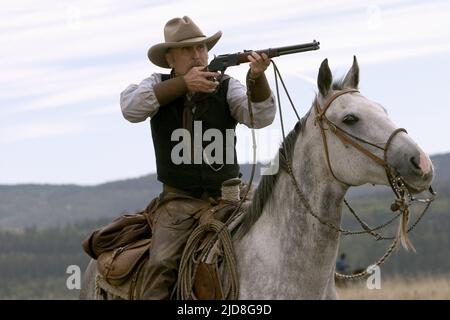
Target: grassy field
{"type": "Point", "coordinates": [399, 288]}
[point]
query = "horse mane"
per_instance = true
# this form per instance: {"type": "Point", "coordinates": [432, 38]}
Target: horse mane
{"type": "Point", "coordinates": [267, 183]}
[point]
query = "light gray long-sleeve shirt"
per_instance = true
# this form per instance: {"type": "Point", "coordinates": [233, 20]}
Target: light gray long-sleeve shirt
{"type": "Point", "coordinates": [138, 102]}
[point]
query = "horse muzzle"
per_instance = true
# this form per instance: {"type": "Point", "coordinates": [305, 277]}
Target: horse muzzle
{"type": "Point", "coordinates": [414, 166]}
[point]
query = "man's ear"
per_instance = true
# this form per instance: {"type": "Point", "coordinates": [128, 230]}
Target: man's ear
{"type": "Point", "coordinates": [169, 59]}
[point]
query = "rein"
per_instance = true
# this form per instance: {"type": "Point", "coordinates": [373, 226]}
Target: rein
{"type": "Point", "coordinates": [398, 186]}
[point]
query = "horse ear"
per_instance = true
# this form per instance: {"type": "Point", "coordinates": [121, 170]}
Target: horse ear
{"type": "Point", "coordinates": [351, 80]}
{"type": "Point", "coordinates": [324, 79]}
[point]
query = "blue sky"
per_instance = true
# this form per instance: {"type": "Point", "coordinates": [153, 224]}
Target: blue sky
{"type": "Point", "coordinates": [63, 65]}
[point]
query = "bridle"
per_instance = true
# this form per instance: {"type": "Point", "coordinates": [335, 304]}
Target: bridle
{"type": "Point", "coordinates": [348, 138]}
{"type": "Point", "coordinates": [396, 181]}
{"type": "Point", "coordinates": [403, 198]}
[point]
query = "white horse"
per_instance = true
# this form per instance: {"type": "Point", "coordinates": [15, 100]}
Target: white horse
{"type": "Point", "coordinates": [282, 251]}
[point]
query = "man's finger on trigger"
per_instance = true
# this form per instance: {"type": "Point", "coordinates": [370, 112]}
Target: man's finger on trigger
{"type": "Point", "coordinates": [208, 74]}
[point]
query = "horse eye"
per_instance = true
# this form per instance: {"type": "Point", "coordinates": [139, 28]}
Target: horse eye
{"type": "Point", "coordinates": [350, 119]}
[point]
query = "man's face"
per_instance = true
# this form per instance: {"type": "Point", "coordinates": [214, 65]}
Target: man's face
{"type": "Point", "coordinates": [183, 59]}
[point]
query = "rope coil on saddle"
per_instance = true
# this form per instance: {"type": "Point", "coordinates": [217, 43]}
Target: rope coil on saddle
{"type": "Point", "coordinates": [188, 266]}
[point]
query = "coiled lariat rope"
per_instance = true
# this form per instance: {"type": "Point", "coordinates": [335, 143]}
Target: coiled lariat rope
{"type": "Point", "coordinates": [188, 266]}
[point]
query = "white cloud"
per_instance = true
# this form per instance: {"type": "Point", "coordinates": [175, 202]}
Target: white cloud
{"type": "Point", "coordinates": [32, 131]}
{"type": "Point", "coordinates": [44, 44]}
{"type": "Point", "coordinates": [55, 87]}
{"type": "Point", "coordinates": [104, 110]}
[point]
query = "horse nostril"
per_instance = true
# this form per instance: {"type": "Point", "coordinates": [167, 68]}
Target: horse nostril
{"type": "Point", "coordinates": [414, 162]}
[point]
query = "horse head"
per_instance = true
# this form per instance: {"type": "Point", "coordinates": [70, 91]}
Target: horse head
{"type": "Point", "coordinates": [360, 141]}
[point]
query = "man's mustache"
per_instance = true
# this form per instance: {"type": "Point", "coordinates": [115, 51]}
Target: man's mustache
{"type": "Point", "coordinates": [196, 64]}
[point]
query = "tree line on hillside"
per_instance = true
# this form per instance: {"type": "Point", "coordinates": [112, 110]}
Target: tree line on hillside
{"type": "Point", "coordinates": [33, 262]}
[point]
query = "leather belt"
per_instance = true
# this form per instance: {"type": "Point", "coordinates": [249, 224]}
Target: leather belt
{"type": "Point", "coordinates": [204, 196]}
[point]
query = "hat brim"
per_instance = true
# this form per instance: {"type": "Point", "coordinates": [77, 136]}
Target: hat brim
{"type": "Point", "coordinates": [157, 53]}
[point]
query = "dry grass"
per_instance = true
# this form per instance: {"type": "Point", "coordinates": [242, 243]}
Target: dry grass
{"type": "Point", "coordinates": [400, 288]}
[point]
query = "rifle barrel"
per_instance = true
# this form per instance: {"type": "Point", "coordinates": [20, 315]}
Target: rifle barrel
{"type": "Point", "coordinates": [298, 48]}
{"type": "Point", "coordinates": [275, 52]}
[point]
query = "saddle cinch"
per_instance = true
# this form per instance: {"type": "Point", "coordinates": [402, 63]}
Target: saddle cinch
{"type": "Point", "coordinates": [122, 247]}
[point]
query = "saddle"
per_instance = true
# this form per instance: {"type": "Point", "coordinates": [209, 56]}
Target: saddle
{"type": "Point", "coordinates": [123, 246]}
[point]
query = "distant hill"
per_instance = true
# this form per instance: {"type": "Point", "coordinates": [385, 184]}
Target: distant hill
{"type": "Point", "coordinates": [56, 205]}
{"type": "Point", "coordinates": [442, 165]}
{"type": "Point", "coordinates": [44, 206]}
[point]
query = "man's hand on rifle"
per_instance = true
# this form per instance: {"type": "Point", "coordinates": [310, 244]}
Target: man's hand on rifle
{"type": "Point", "coordinates": [258, 64]}
{"type": "Point", "coordinates": [198, 80]}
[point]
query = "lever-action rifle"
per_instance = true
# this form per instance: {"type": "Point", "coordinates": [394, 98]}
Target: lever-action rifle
{"type": "Point", "coordinates": [223, 61]}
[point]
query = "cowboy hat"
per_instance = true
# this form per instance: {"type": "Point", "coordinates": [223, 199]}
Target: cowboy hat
{"type": "Point", "coordinates": [180, 32]}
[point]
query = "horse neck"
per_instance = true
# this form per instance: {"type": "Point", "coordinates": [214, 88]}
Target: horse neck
{"type": "Point", "coordinates": [293, 248]}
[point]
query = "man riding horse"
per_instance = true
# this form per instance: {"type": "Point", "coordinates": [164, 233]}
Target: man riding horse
{"type": "Point", "coordinates": [190, 99]}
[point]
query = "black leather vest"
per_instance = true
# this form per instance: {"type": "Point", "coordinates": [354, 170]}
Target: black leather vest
{"type": "Point", "coordinates": [213, 112]}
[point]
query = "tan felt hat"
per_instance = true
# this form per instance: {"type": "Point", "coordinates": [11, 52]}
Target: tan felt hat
{"type": "Point", "coordinates": [180, 32]}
